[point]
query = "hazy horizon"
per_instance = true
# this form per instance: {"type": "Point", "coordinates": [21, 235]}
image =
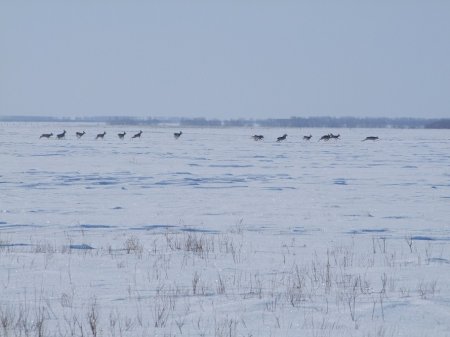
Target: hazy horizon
{"type": "Point", "coordinates": [225, 60]}
{"type": "Point", "coordinates": [167, 118]}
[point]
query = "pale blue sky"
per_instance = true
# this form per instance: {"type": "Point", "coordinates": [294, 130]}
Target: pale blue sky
{"type": "Point", "coordinates": [225, 59]}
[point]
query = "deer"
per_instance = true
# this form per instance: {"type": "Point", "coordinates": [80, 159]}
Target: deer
{"type": "Point", "coordinates": [177, 134]}
{"type": "Point", "coordinates": [137, 135]}
{"type": "Point", "coordinates": [258, 137]}
{"type": "Point", "coordinates": [307, 137]}
{"type": "Point", "coordinates": [46, 135]}
{"type": "Point", "coordinates": [61, 135]}
{"type": "Point", "coordinates": [325, 137]}
{"type": "Point", "coordinates": [122, 135]}
{"type": "Point", "coordinates": [80, 134]}
{"type": "Point", "coordinates": [370, 138]}
{"type": "Point", "coordinates": [279, 139]}
{"type": "Point", "coordinates": [101, 135]}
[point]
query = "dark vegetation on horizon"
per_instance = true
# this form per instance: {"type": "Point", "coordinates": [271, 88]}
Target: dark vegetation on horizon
{"type": "Point", "coordinates": [301, 122]}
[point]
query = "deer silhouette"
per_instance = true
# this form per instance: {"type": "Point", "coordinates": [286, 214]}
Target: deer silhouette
{"type": "Point", "coordinates": [46, 135]}
{"type": "Point", "coordinates": [283, 137]}
{"type": "Point", "coordinates": [137, 135]}
{"type": "Point", "coordinates": [325, 137]}
{"type": "Point", "coordinates": [101, 135]}
{"type": "Point", "coordinates": [61, 135]}
{"type": "Point", "coordinates": [370, 138]}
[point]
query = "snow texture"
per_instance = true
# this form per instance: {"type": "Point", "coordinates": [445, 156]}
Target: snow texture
{"type": "Point", "coordinates": [214, 234]}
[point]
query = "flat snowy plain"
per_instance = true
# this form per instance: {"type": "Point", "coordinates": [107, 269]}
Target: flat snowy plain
{"type": "Point", "coordinates": [215, 234]}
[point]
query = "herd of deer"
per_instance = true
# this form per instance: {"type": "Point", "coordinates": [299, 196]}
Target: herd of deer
{"type": "Point", "coordinates": [324, 137]}
{"type": "Point", "coordinates": [121, 135]}
{"type": "Point", "coordinates": [178, 134]}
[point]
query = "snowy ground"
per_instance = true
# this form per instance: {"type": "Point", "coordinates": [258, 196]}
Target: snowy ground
{"type": "Point", "coordinates": [215, 234]}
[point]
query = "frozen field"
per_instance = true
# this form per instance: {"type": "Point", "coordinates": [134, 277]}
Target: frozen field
{"type": "Point", "coordinates": [215, 234]}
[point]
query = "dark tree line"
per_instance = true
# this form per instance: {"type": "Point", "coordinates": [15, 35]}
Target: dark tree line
{"type": "Point", "coordinates": [439, 124]}
{"type": "Point", "coordinates": [295, 122]}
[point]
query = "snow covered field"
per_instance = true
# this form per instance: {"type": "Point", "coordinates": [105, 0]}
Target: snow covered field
{"type": "Point", "coordinates": [215, 234]}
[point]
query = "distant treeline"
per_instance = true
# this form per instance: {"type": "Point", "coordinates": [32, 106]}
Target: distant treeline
{"type": "Point", "coordinates": [296, 122]}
